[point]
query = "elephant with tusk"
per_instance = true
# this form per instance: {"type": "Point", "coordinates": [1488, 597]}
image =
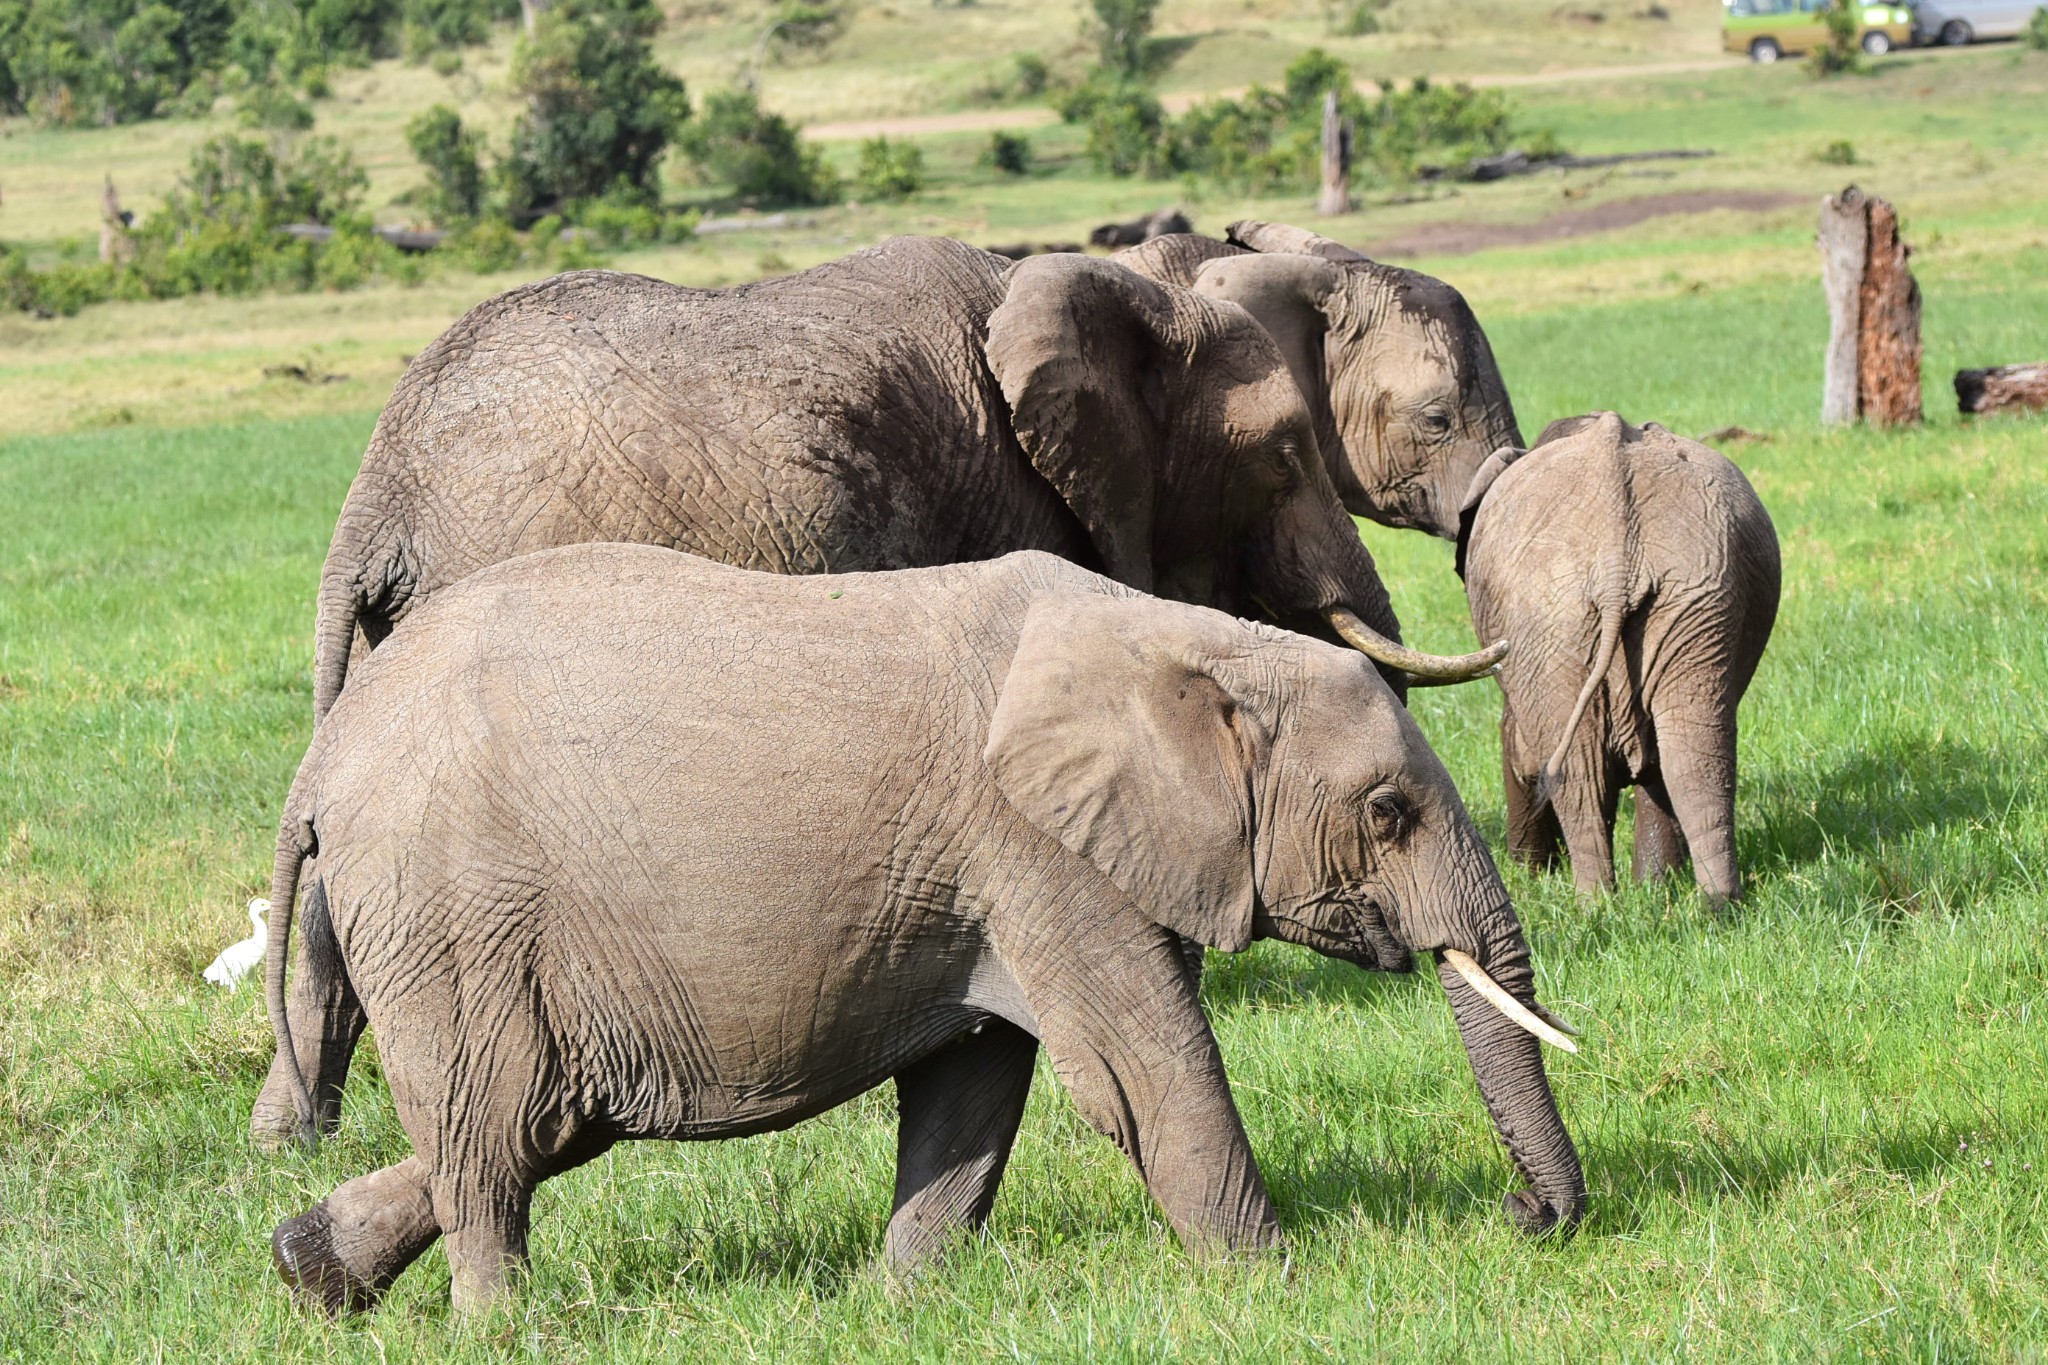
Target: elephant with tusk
{"type": "Point", "coordinates": [1637, 574]}
{"type": "Point", "coordinates": [616, 843]}
{"type": "Point", "coordinates": [919, 403]}
{"type": "Point", "coordinates": [1401, 385]}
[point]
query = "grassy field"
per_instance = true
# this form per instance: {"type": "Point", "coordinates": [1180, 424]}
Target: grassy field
{"type": "Point", "coordinates": [1813, 1129]}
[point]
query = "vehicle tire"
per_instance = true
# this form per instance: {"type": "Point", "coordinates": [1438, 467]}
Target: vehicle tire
{"type": "Point", "coordinates": [1764, 51]}
{"type": "Point", "coordinates": [1956, 33]}
{"type": "Point", "coordinates": [1876, 44]}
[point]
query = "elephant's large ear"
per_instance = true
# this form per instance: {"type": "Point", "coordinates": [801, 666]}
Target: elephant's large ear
{"type": "Point", "coordinates": [1286, 295]}
{"type": "Point", "coordinates": [1078, 346]}
{"type": "Point", "coordinates": [1115, 736]}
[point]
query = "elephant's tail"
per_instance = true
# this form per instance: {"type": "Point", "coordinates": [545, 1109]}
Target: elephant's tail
{"type": "Point", "coordinates": [334, 636]}
{"type": "Point", "coordinates": [1613, 608]}
{"type": "Point", "coordinates": [295, 843]}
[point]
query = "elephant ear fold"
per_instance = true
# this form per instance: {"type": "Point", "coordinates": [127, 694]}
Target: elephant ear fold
{"type": "Point", "coordinates": [1287, 296]}
{"type": "Point", "coordinates": [1475, 493]}
{"type": "Point", "coordinates": [1115, 735]}
{"type": "Point", "coordinates": [1078, 347]}
{"type": "Point", "coordinates": [1279, 237]}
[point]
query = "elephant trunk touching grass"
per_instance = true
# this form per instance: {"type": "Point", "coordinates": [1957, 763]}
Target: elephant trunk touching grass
{"type": "Point", "coordinates": [617, 843]}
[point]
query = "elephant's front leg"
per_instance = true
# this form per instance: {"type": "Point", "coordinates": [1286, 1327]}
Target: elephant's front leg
{"type": "Point", "coordinates": [1118, 1013]}
{"type": "Point", "coordinates": [959, 1111]}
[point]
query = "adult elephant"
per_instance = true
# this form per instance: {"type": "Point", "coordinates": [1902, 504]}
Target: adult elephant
{"type": "Point", "coordinates": [1401, 385]}
{"type": "Point", "coordinates": [919, 403]}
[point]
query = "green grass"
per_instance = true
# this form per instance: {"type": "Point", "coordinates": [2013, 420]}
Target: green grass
{"type": "Point", "coordinates": [1812, 1129]}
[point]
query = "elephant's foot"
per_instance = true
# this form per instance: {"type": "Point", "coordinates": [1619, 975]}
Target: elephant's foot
{"type": "Point", "coordinates": [344, 1253]}
{"type": "Point", "coordinates": [274, 1124]}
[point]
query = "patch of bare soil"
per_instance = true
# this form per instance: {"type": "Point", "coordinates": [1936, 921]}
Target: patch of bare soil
{"type": "Point", "coordinates": [1462, 239]}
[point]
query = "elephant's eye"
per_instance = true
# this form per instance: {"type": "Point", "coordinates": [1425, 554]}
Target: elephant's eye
{"type": "Point", "coordinates": [1436, 425]}
{"type": "Point", "coordinates": [1389, 813]}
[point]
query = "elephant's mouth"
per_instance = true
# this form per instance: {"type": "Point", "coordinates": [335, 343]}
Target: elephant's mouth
{"type": "Point", "coordinates": [1357, 933]}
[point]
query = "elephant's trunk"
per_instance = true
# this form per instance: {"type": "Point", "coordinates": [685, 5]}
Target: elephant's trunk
{"type": "Point", "coordinates": [1508, 1064]}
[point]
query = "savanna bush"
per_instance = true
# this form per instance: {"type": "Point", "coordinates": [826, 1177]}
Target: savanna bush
{"type": "Point", "coordinates": [600, 110]}
{"type": "Point", "coordinates": [1126, 125]}
{"type": "Point", "coordinates": [1009, 153]}
{"type": "Point", "coordinates": [734, 141]}
{"type": "Point", "coordinates": [453, 158]}
{"type": "Point", "coordinates": [2036, 34]}
{"type": "Point", "coordinates": [889, 170]}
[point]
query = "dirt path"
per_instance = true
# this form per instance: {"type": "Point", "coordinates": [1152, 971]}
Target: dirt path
{"type": "Point", "coordinates": [1462, 239]}
{"type": "Point", "coordinates": [988, 120]}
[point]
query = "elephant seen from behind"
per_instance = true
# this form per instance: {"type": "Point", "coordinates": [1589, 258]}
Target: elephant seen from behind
{"type": "Point", "coordinates": [1635, 574]}
{"type": "Point", "coordinates": [618, 843]}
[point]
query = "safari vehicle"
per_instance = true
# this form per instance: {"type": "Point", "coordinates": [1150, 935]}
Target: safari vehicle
{"type": "Point", "coordinates": [1956, 22]}
{"type": "Point", "coordinates": [1770, 29]}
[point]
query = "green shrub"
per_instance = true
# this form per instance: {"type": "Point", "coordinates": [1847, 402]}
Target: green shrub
{"type": "Point", "coordinates": [1009, 153]}
{"type": "Point", "coordinates": [1032, 73]}
{"type": "Point", "coordinates": [451, 155]}
{"type": "Point", "coordinates": [2036, 34]}
{"type": "Point", "coordinates": [806, 25]}
{"type": "Point", "coordinates": [1840, 152]}
{"type": "Point", "coordinates": [624, 221]}
{"type": "Point", "coordinates": [733, 141]}
{"type": "Point", "coordinates": [1355, 19]}
{"type": "Point", "coordinates": [1121, 29]}
{"type": "Point", "coordinates": [487, 246]}
{"type": "Point", "coordinates": [889, 170]}
{"type": "Point", "coordinates": [1125, 126]}
{"type": "Point", "coordinates": [353, 257]}
{"type": "Point", "coordinates": [600, 110]}
{"type": "Point", "coordinates": [1841, 52]}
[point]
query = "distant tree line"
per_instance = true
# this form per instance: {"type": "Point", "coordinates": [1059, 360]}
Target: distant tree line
{"type": "Point", "coordinates": [103, 62]}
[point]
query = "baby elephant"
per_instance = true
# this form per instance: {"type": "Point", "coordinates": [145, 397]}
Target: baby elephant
{"type": "Point", "coordinates": [618, 843]}
{"type": "Point", "coordinates": [1636, 575]}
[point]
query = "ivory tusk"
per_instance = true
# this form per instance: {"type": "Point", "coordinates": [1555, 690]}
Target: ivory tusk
{"type": "Point", "coordinates": [1554, 1021]}
{"type": "Point", "coordinates": [1430, 667]}
{"type": "Point", "coordinates": [1497, 996]}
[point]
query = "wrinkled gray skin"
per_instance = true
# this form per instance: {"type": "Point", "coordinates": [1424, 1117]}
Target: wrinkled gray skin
{"type": "Point", "coordinates": [1401, 384]}
{"type": "Point", "coordinates": [617, 843]}
{"type": "Point", "coordinates": [1635, 574]}
{"type": "Point", "coordinates": [923, 402]}
{"type": "Point", "coordinates": [919, 403]}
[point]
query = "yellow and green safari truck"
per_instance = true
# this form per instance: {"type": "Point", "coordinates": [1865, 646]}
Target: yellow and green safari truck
{"type": "Point", "coordinates": [1770, 29]}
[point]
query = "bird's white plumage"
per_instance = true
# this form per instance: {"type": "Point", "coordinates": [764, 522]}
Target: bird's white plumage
{"type": "Point", "coordinates": [237, 960]}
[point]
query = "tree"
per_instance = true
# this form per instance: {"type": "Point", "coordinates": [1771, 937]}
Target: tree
{"type": "Point", "coordinates": [735, 142]}
{"type": "Point", "coordinates": [1121, 28]}
{"type": "Point", "coordinates": [889, 170]}
{"type": "Point", "coordinates": [600, 111]}
{"type": "Point", "coordinates": [450, 153]}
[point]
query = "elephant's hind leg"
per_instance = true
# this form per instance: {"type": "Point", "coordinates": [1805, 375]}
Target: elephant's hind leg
{"type": "Point", "coordinates": [1660, 843]}
{"type": "Point", "coordinates": [346, 1251]}
{"type": "Point", "coordinates": [959, 1111]}
{"type": "Point", "coordinates": [1533, 835]}
{"type": "Point", "coordinates": [326, 1022]}
{"type": "Point", "coordinates": [1586, 801]}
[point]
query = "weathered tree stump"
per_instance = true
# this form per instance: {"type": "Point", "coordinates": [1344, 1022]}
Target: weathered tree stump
{"type": "Point", "coordinates": [117, 244]}
{"type": "Point", "coordinates": [1873, 356]}
{"type": "Point", "coordinates": [2003, 388]}
{"type": "Point", "coordinates": [1336, 193]}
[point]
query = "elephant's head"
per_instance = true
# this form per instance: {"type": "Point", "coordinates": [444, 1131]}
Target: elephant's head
{"type": "Point", "coordinates": [1172, 427]}
{"type": "Point", "coordinates": [1240, 783]}
{"type": "Point", "coordinates": [1402, 387]}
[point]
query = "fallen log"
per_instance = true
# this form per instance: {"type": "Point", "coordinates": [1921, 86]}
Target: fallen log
{"type": "Point", "coordinates": [1515, 161]}
{"type": "Point", "coordinates": [2003, 388]}
{"type": "Point", "coordinates": [1159, 223]}
{"type": "Point", "coordinates": [1017, 251]}
{"type": "Point", "coordinates": [405, 239]}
